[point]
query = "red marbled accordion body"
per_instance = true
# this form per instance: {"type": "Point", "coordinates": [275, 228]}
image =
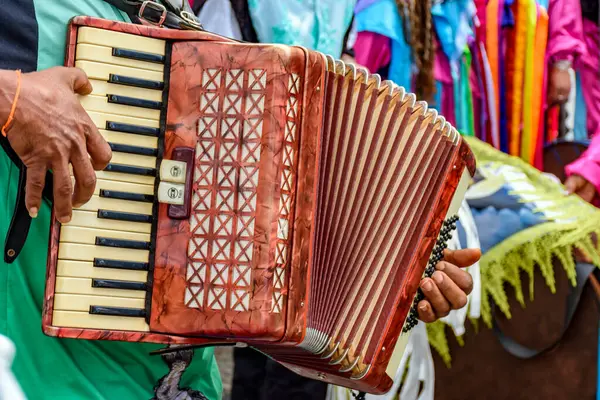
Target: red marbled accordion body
{"type": "Point", "coordinates": [269, 251]}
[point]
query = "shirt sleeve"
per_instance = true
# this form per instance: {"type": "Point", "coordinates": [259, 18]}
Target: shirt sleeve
{"type": "Point", "coordinates": [588, 165]}
{"type": "Point", "coordinates": [372, 50]}
{"type": "Point", "coordinates": [565, 33]}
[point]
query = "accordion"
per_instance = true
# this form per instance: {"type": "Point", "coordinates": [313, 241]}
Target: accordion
{"type": "Point", "coordinates": [265, 195]}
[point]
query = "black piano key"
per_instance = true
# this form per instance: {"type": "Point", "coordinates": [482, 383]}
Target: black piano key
{"type": "Point", "coordinates": [118, 264]}
{"type": "Point", "coordinates": [135, 129]}
{"type": "Point", "coordinates": [122, 243]}
{"type": "Point", "coordinates": [130, 169]}
{"type": "Point", "coordinates": [114, 284]}
{"type": "Point", "coordinates": [138, 55]}
{"type": "Point", "coordinates": [124, 216]}
{"type": "Point", "coordinates": [141, 83]}
{"type": "Point", "coordinates": [133, 102]}
{"type": "Point", "coordinates": [125, 148]}
{"type": "Point", "coordinates": [118, 311]}
{"type": "Point", "coordinates": [113, 194]}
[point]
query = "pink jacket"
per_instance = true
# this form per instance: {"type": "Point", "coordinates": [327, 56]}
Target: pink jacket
{"type": "Point", "coordinates": [588, 165]}
{"type": "Point", "coordinates": [571, 38]}
{"type": "Point", "coordinates": [565, 35]}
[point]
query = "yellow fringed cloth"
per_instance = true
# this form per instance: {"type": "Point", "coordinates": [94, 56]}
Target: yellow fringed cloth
{"type": "Point", "coordinates": [568, 223]}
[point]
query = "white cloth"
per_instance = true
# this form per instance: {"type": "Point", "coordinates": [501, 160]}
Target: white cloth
{"type": "Point", "coordinates": [9, 388]}
{"type": "Point", "coordinates": [217, 17]}
{"type": "Point", "coordinates": [456, 319]}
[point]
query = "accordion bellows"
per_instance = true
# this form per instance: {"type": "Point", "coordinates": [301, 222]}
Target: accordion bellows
{"type": "Point", "coordinates": [287, 201]}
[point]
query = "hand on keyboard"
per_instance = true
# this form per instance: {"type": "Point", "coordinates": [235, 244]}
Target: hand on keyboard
{"type": "Point", "coordinates": [50, 130]}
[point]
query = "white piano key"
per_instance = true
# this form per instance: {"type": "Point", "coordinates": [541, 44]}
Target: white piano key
{"type": "Point", "coordinates": [100, 120]}
{"type": "Point", "coordinates": [171, 193]}
{"type": "Point", "coordinates": [103, 54]}
{"type": "Point", "coordinates": [84, 286]}
{"type": "Point", "coordinates": [83, 235]}
{"type": "Point", "coordinates": [103, 37]}
{"type": "Point", "coordinates": [76, 302]}
{"type": "Point", "coordinates": [100, 203]}
{"type": "Point", "coordinates": [173, 171]}
{"type": "Point", "coordinates": [90, 219]}
{"type": "Point", "coordinates": [128, 187]}
{"type": "Point", "coordinates": [129, 139]}
{"type": "Point", "coordinates": [74, 319]}
{"type": "Point", "coordinates": [86, 269]}
{"type": "Point", "coordinates": [134, 160]}
{"type": "Point", "coordinates": [121, 177]}
{"type": "Point", "coordinates": [96, 70]}
{"type": "Point", "coordinates": [86, 252]}
{"type": "Point", "coordinates": [102, 88]}
{"type": "Point", "coordinates": [101, 104]}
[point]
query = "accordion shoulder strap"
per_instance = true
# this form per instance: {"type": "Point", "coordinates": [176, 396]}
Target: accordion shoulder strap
{"type": "Point", "coordinates": [20, 221]}
{"type": "Point", "coordinates": [173, 14]}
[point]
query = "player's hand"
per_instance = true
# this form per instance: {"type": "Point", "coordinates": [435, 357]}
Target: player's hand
{"type": "Point", "coordinates": [51, 129]}
{"type": "Point", "coordinates": [576, 184]}
{"type": "Point", "coordinates": [559, 86]}
{"type": "Point", "coordinates": [449, 286]}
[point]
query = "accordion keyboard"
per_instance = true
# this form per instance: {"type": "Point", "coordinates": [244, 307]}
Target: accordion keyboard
{"type": "Point", "coordinates": [104, 252]}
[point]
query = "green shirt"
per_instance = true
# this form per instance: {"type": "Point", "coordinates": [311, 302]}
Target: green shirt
{"type": "Point", "coordinates": [51, 368]}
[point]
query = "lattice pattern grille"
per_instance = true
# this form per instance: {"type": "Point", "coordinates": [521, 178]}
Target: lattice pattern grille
{"type": "Point", "coordinates": [225, 178]}
{"type": "Point", "coordinates": [287, 193]}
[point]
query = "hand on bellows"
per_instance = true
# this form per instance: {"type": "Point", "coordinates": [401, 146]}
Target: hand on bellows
{"type": "Point", "coordinates": [449, 286]}
{"type": "Point", "coordinates": [50, 130]}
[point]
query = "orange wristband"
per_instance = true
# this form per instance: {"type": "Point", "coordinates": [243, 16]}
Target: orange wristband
{"type": "Point", "coordinates": [14, 104]}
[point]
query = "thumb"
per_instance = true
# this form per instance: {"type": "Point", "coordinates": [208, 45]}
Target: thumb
{"type": "Point", "coordinates": [80, 82]}
{"type": "Point", "coordinates": [462, 258]}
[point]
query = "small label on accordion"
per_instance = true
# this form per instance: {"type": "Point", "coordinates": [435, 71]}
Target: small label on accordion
{"type": "Point", "coordinates": [173, 171]}
{"type": "Point", "coordinates": [171, 193]}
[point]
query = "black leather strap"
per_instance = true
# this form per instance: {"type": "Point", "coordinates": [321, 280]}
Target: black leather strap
{"type": "Point", "coordinates": [584, 271]}
{"type": "Point", "coordinates": [174, 14]}
{"type": "Point", "coordinates": [20, 221]}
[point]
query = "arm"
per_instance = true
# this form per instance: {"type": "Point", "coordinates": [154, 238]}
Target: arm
{"type": "Point", "coordinates": [50, 130]}
{"type": "Point", "coordinates": [565, 46]}
{"type": "Point", "coordinates": [584, 173]}
{"type": "Point", "coordinates": [565, 31]}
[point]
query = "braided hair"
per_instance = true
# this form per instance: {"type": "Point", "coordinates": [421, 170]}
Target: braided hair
{"type": "Point", "coordinates": [418, 31]}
